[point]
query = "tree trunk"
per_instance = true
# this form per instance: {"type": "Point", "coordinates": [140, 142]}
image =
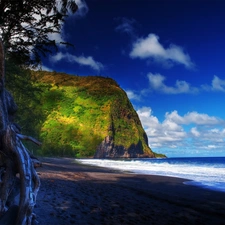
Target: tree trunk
{"type": "Point", "coordinates": [17, 173]}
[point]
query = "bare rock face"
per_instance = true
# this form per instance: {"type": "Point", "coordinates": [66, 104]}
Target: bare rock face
{"type": "Point", "coordinates": [107, 149]}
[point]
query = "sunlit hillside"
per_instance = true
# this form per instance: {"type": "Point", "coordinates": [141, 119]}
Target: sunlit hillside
{"type": "Point", "coordinates": [75, 114]}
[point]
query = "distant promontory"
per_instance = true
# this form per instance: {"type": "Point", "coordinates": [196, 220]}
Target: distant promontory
{"type": "Point", "coordinates": [87, 116]}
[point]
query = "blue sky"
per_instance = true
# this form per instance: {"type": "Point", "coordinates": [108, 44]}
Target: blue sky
{"type": "Point", "coordinates": [169, 57]}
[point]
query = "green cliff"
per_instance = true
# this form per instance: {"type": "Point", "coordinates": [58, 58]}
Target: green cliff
{"type": "Point", "coordinates": [86, 117]}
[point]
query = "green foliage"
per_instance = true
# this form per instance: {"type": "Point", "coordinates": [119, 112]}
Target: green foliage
{"type": "Point", "coordinates": [74, 114]}
{"type": "Point", "coordinates": [27, 95]}
{"type": "Point", "coordinates": [24, 27]}
{"type": "Point", "coordinates": [159, 155]}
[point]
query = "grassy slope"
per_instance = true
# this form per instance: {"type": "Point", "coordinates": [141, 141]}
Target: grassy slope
{"type": "Point", "coordinates": [81, 111]}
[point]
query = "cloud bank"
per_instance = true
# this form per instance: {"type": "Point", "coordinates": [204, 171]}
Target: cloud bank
{"type": "Point", "coordinates": [150, 48]}
{"type": "Point", "coordinates": [203, 132]}
{"type": "Point", "coordinates": [156, 82]}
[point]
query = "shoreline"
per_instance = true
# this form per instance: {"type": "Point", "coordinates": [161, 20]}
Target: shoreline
{"type": "Point", "coordinates": [193, 175]}
{"type": "Point", "coordinates": [74, 193]}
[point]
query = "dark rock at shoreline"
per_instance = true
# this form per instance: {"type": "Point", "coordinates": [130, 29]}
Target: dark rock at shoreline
{"type": "Point", "coordinates": [107, 149]}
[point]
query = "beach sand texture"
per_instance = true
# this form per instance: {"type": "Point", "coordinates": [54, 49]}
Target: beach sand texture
{"type": "Point", "coordinates": [72, 193]}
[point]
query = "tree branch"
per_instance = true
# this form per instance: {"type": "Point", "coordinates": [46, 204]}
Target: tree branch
{"type": "Point", "coordinates": [25, 137]}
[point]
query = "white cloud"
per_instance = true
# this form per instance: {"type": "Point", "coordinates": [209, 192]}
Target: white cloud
{"type": "Point", "coordinates": [156, 82]}
{"type": "Point", "coordinates": [81, 11]}
{"type": "Point", "coordinates": [42, 68]}
{"type": "Point", "coordinates": [215, 134]}
{"type": "Point", "coordinates": [147, 118]}
{"type": "Point", "coordinates": [195, 132]}
{"type": "Point", "coordinates": [218, 84]}
{"type": "Point", "coordinates": [82, 8]}
{"type": "Point", "coordinates": [58, 37]}
{"type": "Point", "coordinates": [150, 48]}
{"type": "Point", "coordinates": [211, 146]}
{"type": "Point", "coordinates": [159, 134]}
{"type": "Point", "coordinates": [81, 60]}
{"type": "Point", "coordinates": [58, 57]}
{"type": "Point", "coordinates": [131, 95]}
{"type": "Point", "coordinates": [205, 132]}
{"type": "Point", "coordinates": [45, 68]}
{"type": "Point", "coordinates": [193, 118]}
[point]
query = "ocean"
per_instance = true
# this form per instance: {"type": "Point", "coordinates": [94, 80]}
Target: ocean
{"type": "Point", "coordinates": [207, 172]}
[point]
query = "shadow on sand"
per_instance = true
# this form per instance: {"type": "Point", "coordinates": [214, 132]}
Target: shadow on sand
{"type": "Point", "coordinates": [78, 194]}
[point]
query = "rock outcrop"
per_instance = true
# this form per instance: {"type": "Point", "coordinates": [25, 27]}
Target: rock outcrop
{"type": "Point", "coordinates": [107, 149]}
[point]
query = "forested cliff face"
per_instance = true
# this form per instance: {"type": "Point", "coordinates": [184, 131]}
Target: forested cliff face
{"type": "Point", "coordinates": [85, 117]}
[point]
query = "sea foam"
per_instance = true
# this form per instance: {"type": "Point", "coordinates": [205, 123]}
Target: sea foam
{"type": "Point", "coordinates": [205, 172]}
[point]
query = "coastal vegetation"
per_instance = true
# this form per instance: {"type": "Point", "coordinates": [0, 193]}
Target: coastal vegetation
{"type": "Point", "coordinates": [72, 115]}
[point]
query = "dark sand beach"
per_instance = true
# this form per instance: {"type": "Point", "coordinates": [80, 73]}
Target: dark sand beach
{"type": "Point", "coordinates": [71, 193]}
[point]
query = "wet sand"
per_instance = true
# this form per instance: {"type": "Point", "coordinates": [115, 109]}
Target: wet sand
{"type": "Point", "coordinates": [72, 193]}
